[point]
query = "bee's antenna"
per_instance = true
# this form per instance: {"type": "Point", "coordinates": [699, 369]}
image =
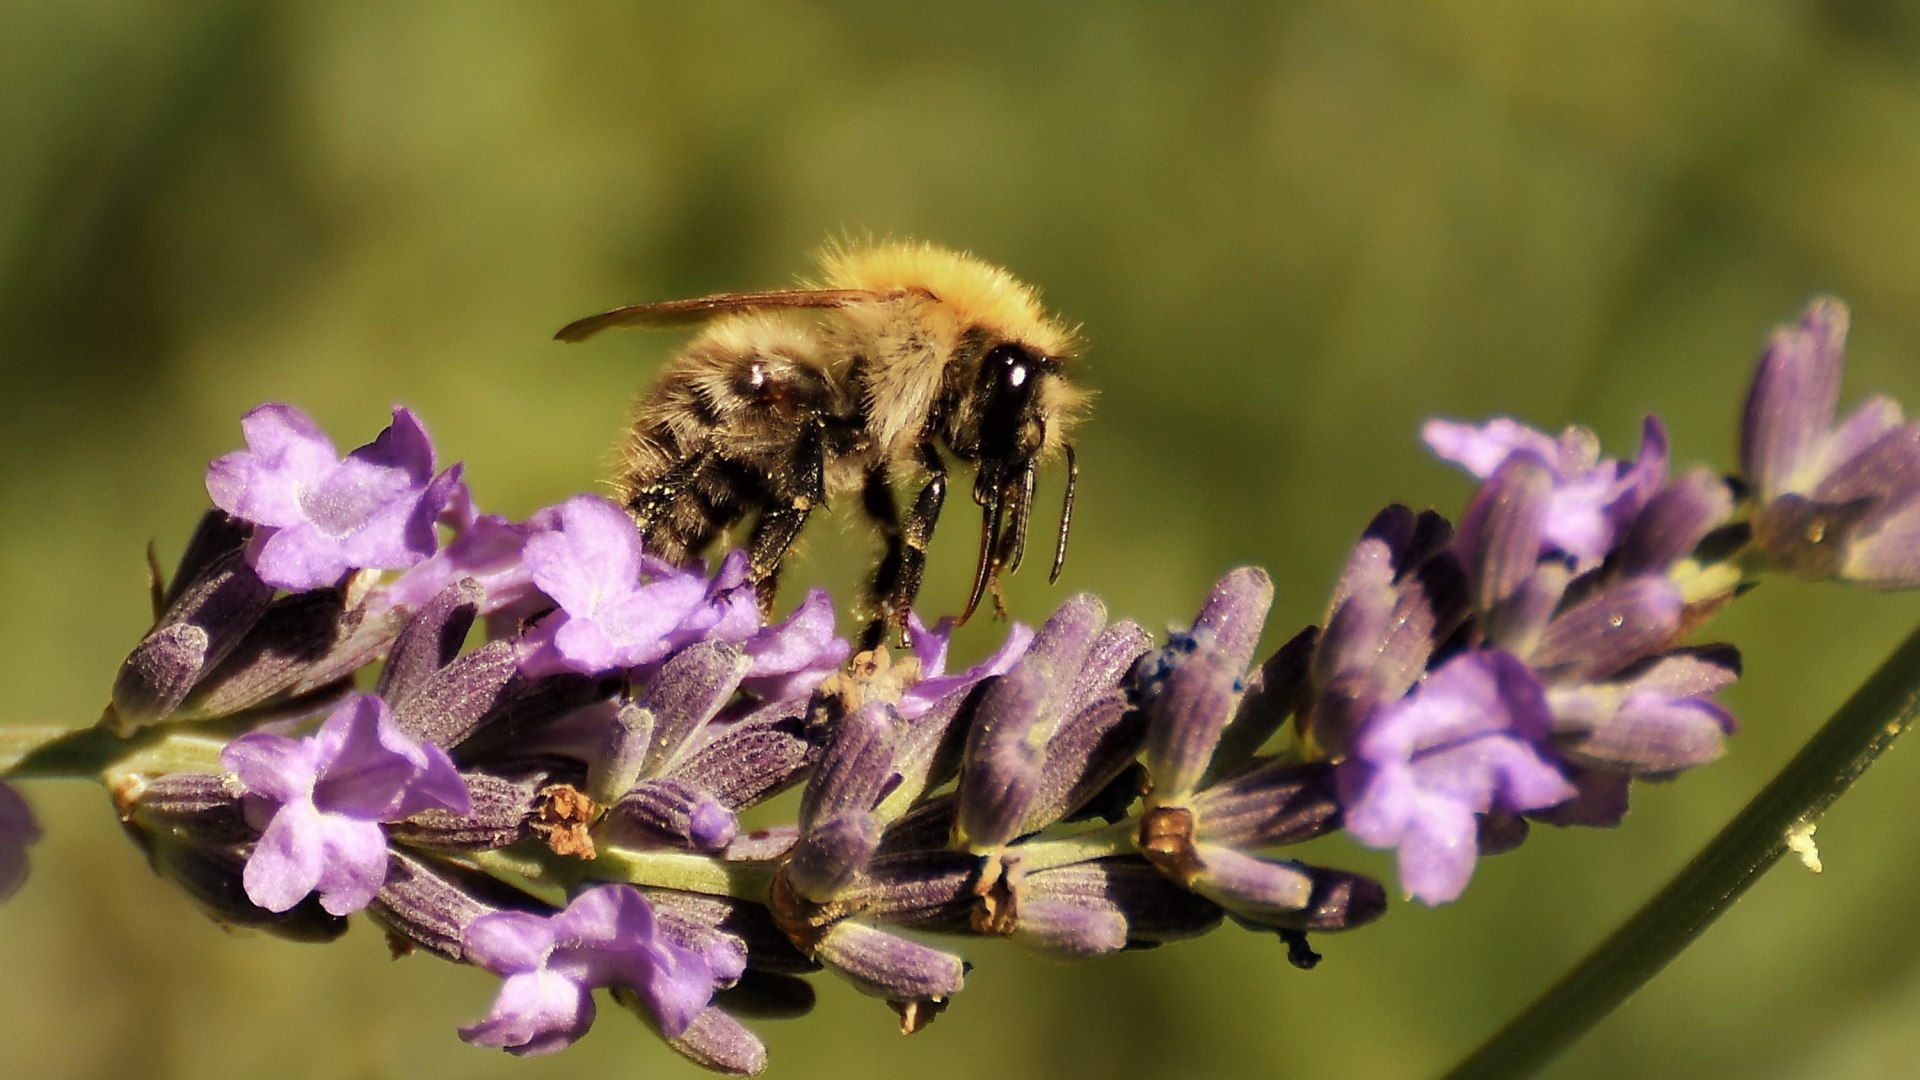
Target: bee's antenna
{"type": "Point", "coordinates": [1066, 517]}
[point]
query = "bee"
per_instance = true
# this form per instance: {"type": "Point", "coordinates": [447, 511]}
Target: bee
{"type": "Point", "coordinates": [789, 398]}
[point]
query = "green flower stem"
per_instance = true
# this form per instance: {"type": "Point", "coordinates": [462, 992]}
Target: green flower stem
{"type": "Point", "coordinates": [1825, 768]}
{"type": "Point", "coordinates": [683, 870]}
{"type": "Point", "coordinates": [657, 869]}
{"type": "Point", "coordinates": [1115, 839]}
{"type": "Point", "coordinates": [54, 753]}
{"type": "Point", "coordinates": [35, 752]}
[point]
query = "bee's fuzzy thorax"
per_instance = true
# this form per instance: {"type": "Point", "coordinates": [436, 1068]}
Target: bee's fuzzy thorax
{"type": "Point", "coordinates": [976, 293]}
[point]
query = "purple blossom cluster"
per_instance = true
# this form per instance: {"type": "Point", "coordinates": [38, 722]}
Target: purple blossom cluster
{"type": "Point", "coordinates": [607, 700]}
{"type": "Point", "coordinates": [429, 710]}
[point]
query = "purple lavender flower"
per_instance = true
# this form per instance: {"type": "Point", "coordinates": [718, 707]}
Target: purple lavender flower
{"type": "Point", "coordinates": [606, 937]}
{"type": "Point", "coordinates": [18, 831]}
{"type": "Point", "coordinates": [1592, 499]}
{"type": "Point", "coordinates": [1621, 704]}
{"type": "Point", "coordinates": [789, 659]}
{"type": "Point", "coordinates": [1466, 742]}
{"type": "Point", "coordinates": [319, 803]}
{"type": "Point", "coordinates": [1830, 501]}
{"type": "Point", "coordinates": [930, 649]}
{"type": "Point", "coordinates": [487, 548]}
{"type": "Point", "coordinates": [586, 555]}
{"type": "Point", "coordinates": [320, 516]}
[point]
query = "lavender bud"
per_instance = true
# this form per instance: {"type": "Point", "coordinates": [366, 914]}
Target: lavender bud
{"type": "Point", "coordinates": [448, 705]}
{"type": "Point", "coordinates": [215, 536]}
{"type": "Point", "coordinates": [428, 903]}
{"type": "Point", "coordinates": [926, 827]}
{"type": "Point", "coordinates": [1086, 754]}
{"type": "Point", "coordinates": [830, 855]}
{"type": "Point", "coordinates": [1355, 628]}
{"type": "Point", "coordinates": [1792, 399]}
{"type": "Point", "coordinates": [714, 1040]}
{"type": "Point", "coordinates": [1233, 614]}
{"type": "Point", "coordinates": [895, 969]}
{"type": "Point", "coordinates": [623, 753]}
{"type": "Point", "coordinates": [193, 806]}
{"type": "Point", "coordinates": [928, 887]}
{"type": "Point", "coordinates": [1002, 769]}
{"type": "Point", "coordinates": [303, 643]}
{"type": "Point", "coordinates": [526, 709]}
{"type": "Point", "coordinates": [1341, 901]}
{"type": "Point", "coordinates": [1610, 629]}
{"type": "Point", "coordinates": [1808, 538]}
{"type": "Point", "coordinates": [1156, 909]}
{"type": "Point", "coordinates": [1110, 659]}
{"type": "Point", "coordinates": [1519, 623]}
{"type": "Point", "coordinates": [1272, 694]}
{"type": "Point", "coordinates": [754, 758]}
{"type": "Point", "coordinates": [430, 640]}
{"type": "Point", "coordinates": [768, 949]}
{"type": "Point", "coordinates": [1069, 931]}
{"type": "Point", "coordinates": [1189, 693]}
{"type": "Point", "coordinates": [501, 808]}
{"type": "Point", "coordinates": [209, 618]}
{"type": "Point", "coordinates": [676, 812]}
{"type": "Point", "coordinates": [156, 677]}
{"type": "Point", "coordinates": [1070, 910]}
{"type": "Point", "coordinates": [1431, 604]}
{"type": "Point", "coordinates": [1274, 802]}
{"type": "Point", "coordinates": [1001, 777]}
{"type": "Point", "coordinates": [1647, 733]}
{"type": "Point", "coordinates": [1376, 559]}
{"type": "Point", "coordinates": [1675, 522]}
{"type": "Point", "coordinates": [929, 753]}
{"type": "Point", "coordinates": [1262, 889]}
{"type": "Point", "coordinates": [724, 954]}
{"type": "Point", "coordinates": [689, 690]}
{"type": "Point", "coordinates": [856, 768]}
{"type": "Point", "coordinates": [1500, 533]}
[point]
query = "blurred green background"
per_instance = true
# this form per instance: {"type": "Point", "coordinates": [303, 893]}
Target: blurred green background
{"type": "Point", "coordinates": [1291, 231]}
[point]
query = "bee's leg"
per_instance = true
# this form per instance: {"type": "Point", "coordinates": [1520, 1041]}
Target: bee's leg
{"type": "Point", "coordinates": [677, 512]}
{"type": "Point", "coordinates": [897, 581]}
{"type": "Point", "coordinates": [785, 514]}
{"type": "Point", "coordinates": [773, 534]}
{"type": "Point", "coordinates": [876, 498]}
{"type": "Point", "coordinates": [917, 532]}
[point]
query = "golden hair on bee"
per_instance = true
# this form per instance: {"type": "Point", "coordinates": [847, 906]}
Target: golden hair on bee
{"type": "Point", "coordinates": [790, 397]}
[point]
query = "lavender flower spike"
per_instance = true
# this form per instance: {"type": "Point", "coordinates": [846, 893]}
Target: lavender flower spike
{"type": "Point", "coordinates": [1466, 742]}
{"type": "Point", "coordinates": [17, 832]}
{"type": "Point", "coordinates": [320, 516]}
{"type": "Point", "coordinates": [606, 937]}
{"type": "Point", "coordinates": [319, 803]}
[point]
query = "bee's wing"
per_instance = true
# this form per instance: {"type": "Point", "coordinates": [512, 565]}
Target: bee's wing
{"type": "Point", "coordinates": [670, 313]}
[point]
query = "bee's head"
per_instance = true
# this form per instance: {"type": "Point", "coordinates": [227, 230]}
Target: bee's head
{"type": "Point", "coordinates": [1019, 412]}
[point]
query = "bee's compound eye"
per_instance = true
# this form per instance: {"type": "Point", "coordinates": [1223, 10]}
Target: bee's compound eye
{"type": "Point", "coordinates": [1008, 369]}
{"type": "Point", "coordinates": [1007, 377]}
